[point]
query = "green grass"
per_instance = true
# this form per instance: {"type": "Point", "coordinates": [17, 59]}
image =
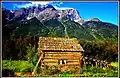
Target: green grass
{"type": "Point", "coordinates": [100, 72]}
{"type": "Point", "coordinates": [92, 72]}
{"type": "Point", "coordinates": [17, 66]}
{"type": "Point", "coordinates": [25, 66]}
{"type": "Point", "coordinates": [114, 64]}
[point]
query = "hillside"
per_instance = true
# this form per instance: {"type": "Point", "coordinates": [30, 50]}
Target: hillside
{"type": "Point", "coordinates": [89, 30]}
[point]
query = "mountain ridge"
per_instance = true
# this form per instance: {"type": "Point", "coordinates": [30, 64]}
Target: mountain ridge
{"type": "Point", "coordinates": [47, 12]}
{"type": "Point", "coordinates": [49, 22]}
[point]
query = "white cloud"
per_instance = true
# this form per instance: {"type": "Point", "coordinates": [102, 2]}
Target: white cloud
{"type": "Point", "coordinates": [23, 6]}
{"type": "Point", "coordinates": [40, 2]}
{"type": "Point", "coordinates": [32, 3]}
{"type": "Point", "coordinates": [56, 4]}
{"type": "Point", "coordinates": [35, 3]}
{"type": "Point", "coordinates": [62, 8]}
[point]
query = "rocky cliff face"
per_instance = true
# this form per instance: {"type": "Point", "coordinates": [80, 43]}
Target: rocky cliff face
{"type": "Point", "coordinates": [43, 12]}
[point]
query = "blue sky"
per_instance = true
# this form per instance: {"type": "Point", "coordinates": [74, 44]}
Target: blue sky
{"type": "Point", "coordinates": [105, 11]}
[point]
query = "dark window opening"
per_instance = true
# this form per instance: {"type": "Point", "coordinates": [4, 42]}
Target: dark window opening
{"type": "Point", "coordinates": [62, 61]}
{"type": "Point", "coordinates": [43, 55]}
{"type": "Point", "coordinates": [72, 46]}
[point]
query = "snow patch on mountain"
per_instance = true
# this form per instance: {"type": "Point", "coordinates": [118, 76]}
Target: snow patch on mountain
{"type": "Point", "coordinates": [47, 12]}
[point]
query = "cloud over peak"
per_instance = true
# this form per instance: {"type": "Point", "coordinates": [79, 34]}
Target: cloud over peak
{"type": "Point", "coordinates": [56, 4]}
{"type": "Point", "coordinates": [31, 3]}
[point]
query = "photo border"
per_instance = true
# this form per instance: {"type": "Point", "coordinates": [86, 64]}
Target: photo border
{"type": "Point", "coordinates": [0, 38]}
{"type": "Point", "coordinates": [63, 1]}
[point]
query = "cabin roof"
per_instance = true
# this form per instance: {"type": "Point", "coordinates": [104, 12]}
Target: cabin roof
{"type": "Point", "coordinates": [59, 44]}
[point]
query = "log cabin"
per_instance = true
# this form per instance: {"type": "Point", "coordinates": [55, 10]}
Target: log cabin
{"type": "Point", "coordinates": [61, 52]}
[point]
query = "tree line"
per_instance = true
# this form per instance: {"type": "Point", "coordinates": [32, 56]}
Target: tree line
{"type": "Point", "coordinates": [100, 49]}
{"type": "Point", "coordinates": [17, 48]}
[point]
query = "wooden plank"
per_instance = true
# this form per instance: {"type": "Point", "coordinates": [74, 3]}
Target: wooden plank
{"type": "Point", "coordinates": [62, 55]}
{"type": "Point", "coordinates": [56, 63]}
{"type": "Point", "coordinates": [70, 65]}
{"type": "Point", "coordinates": [73, 60]}
{"type": "Point", "coordinates": [62, 52]}
{"type": "Point", "coordinates": [67, 58]}
{"type": "Point", "coordinates": [73, 63]}
{"type": "Point", "coordinates": [37, 64]}
{"type": "Point", "coordinates": [49, 64]}
{"type": "Point", "coordinates": [50, 60]}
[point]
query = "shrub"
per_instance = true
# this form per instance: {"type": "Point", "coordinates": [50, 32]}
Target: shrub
{"type": "Point", "coordinates": [30, 53]}
{"type": "Point", "coordinates": [35, 59]}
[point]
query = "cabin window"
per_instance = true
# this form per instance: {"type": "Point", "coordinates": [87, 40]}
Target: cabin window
{"type": "Point", "coordinates": [62, 61]}
{"type": "Point", "coordinates": [72, 46]}
{"type": "Point", "coordinates": [43, 55]}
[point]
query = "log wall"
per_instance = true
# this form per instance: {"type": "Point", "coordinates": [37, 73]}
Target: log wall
{"type": "Point", "coordinates": [53, 58]}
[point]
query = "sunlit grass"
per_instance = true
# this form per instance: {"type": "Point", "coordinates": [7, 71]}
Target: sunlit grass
{"type": "Point", "coordinates": [114, 64]}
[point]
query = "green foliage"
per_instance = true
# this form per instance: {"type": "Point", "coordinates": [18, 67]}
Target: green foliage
{"type": "Point", "coordinates": [30, 53]}
{"type": "Point", "coordinates": [22, 34]}
{"type": "Point", "coordinates": [16, 47]}
{"type": "Point", "coordinates": [92, 72]}
{"type": "Point", "coordinates": [56, 29]}
{"type": "Point", "coordinates": [52, 32]}
{"type": "Point", "coordinates": [18, 66]}
{"type": "Point", "coordinates": [35, 59]}
{"type": "Point", "coordinates": [93, 69]}
{"type": "Point", "coordinates": [32, 27]}
{"type": "Point", "coordinates": [98, 72]}
{"type": "Point", "coordinates": [25, 66]}
{"type": "Point", "coordinates": [103, 50]}
{"type": "Point", "coordinates": [114, 64]}
{"type": "Point", "coordinates": [89, 31]}
{"type": "Point", "coordinates": [65, 74]}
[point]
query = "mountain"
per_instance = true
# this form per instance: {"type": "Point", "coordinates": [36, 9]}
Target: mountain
{"type": "Point", "coordinates": [49, 21]}
{"type": "Point", "coordinates": [42, 13]}
{"type": "Point", "coordinates": [94, 19]}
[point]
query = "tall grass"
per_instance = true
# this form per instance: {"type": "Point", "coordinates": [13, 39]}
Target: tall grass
{"type": "Point", "coordinates": [25, 66]}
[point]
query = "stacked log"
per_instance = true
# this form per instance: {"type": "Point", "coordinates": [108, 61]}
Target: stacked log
{"type": "Point", "coordinates": [70, 58]}
{"type": "Point", "coordinates": [97, 63]}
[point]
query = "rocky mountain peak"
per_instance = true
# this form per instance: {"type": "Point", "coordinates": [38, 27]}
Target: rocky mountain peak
{"type": "Point", "coordinates": [46, 12]}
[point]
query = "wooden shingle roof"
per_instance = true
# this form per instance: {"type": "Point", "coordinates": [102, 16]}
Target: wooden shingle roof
{"type": "Point", "coordinates": [59, 44]}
